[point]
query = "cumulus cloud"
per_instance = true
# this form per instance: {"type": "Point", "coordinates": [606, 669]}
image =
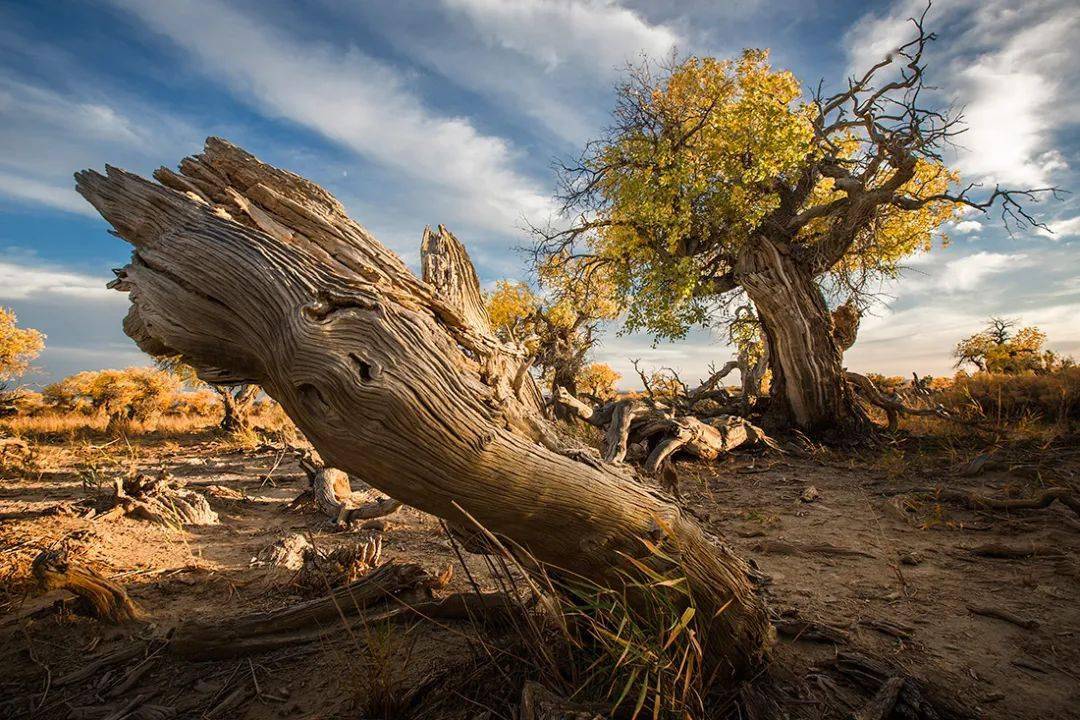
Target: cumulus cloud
{"type": "Point", "coordinates": [353, 99]}
{"type": "Point", "coordinates": [1061, 228]}
{"type": "Point", "coordinates": [968, 273]}
{"type": "Point", "coordinates": [598, 36]}
{"type": "Point", "coordinates": [967, 226]}
{"type": "Point", "coordinates": [20, 280]}
{"type": "Point", "coordinates": [1011, 68]}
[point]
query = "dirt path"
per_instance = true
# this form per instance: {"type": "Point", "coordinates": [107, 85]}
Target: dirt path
{"type": "Point", "coordinates": [874, 574]}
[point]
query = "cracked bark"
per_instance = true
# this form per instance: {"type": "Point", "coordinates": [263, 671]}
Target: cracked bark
{"type": "Point", "coordinates": [254, 274]}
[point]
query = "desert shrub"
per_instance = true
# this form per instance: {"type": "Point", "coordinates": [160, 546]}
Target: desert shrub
{"type": "Point", "coordinates": [997, 348]}
{"type": "Point", "coordinates": [134, 394]}
{"type": "Point", "coordinates": [26, 403]}
{"type": "Point", "coordinates": [887, 384]}
{"type": "Point", "coordinates": [1053, 397]}
{"type": "Point", "coordinates": [599, 379]}
{"type": "Point", "coordinates": [201, 403]}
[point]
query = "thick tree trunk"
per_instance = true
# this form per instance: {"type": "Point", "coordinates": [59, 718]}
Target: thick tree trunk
{"type": "Point", "coordinates": [566, 378]}
{"type": "Point", "coordinates": [236, 403]}
{"type": "Point", "coordinates": [256, 275]}
{"type": "Point", "coordinates": [808, 387]}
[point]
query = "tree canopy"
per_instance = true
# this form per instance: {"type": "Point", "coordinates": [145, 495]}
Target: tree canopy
{"type": "Point", "coordinates": [18, 346]}
{"type": "Point", "coordinates": [1000, 348]}
{"type": "Point", "coordinates": [710, 155]}
{"type": "Point", "coordinates": [557, 328]}
{"type": "Point", "coordinates": [137, 393]}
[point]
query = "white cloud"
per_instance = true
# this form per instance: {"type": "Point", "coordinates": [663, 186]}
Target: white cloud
{"type": "Point", "coordinates": [80, 317]}
{"type": "Point", "coordinates": [355, 100]}
{"type": "Point", "coordinates": [553, 63]}
{"type": "Point", "coordinates": [1061, 229]}
{"type": "Point", "coordinates": [597, 36]}
{"type": "Point", "coordinates": [967, 226]}
{"type": "Point", "coordinates": [47, 135]}
{"type": "Point", "coordinates": [922, 338]}
{"type": "Point", "coordinates": [1011, 67]}
{"type": "Point", "coordinates": [25, 189]}
{"type": "Point", "coordinates": [20, 281]}
{"type": "Point", "coordinates": [967, 273]}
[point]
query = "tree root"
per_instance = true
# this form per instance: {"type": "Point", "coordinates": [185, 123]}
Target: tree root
{"type": "Point", "coordinates": [784, 547]}
{"type": "Point", "coordinates": [104, 599]}
{"type": "Point", "coordinates": [882, 704]}
{"type": "Point", "coordinates": [157, 500]}
{"type": "Point", "coordinates": [973, 501]}
{"type": "Point", "coordinates": [865, 387]}
{"type": "Point", "coordinates": [998, 613]}
{"type": "Point", "coordinates": [1012, 552]}
{"type": "Point", "coordinates": [1037, 502]}
{"type": "Point", "coordinates": [791, 624]}
{"type": "Point", "coordinates": [390, 593]}
{"type": "Point", "coordinates": [916, 699]}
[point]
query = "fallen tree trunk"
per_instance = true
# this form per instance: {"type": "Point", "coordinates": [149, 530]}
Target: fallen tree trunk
{"type": "Point", "coordinates": [256, 275]}
{"type": "Point", "coordinates": [631, 421]}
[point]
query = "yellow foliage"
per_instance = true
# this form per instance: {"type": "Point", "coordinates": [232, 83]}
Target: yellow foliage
{"type": "Point", "coordinates": [997, 349]}
{"type": "Point", "coordinates": [136, 393]}
{"type": "Point", "coordinates": [557, 329]}
{"type": "Point", "coordinates": [18, 346]}
{"type": "Point", "coordinates": [599, 379]}
{"type": "Point", "coordinates": [510, 306]}
{"type": "Point", "coordinates": [696, 181]}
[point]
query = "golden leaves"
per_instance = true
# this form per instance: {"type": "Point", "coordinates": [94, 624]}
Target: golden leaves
{"type": "Point", "coordinates": [18, 346]}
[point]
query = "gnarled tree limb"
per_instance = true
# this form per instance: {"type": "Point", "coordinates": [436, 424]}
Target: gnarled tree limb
{"type": "Point", "coordinates": [387, 379]}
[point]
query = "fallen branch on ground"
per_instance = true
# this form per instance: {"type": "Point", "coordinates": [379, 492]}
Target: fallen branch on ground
{"type": "Point", "coordinates": [918, 698]}
{"type": "Point", "coordinates": [1009, 617]}
{"type": "Point", "coordinates": [1037, 502]}
{"type": "Point", "coordinates": [893, 408]}
{"type": "Point", "coordinates": [654, 425]}
{"type": "Point", "coordinates": [391, 592]}
{"type": "Point", "coordinates": [104, 599]}
{"type": "Point", "coordinates": [158, 500]}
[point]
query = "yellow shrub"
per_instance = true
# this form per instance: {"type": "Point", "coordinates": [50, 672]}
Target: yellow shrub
{"type": "Point", "coordinates": [1054, 396]}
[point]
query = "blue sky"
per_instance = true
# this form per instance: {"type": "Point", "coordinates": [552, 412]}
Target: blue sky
{"type": "Point", "coordinates": [451, 111]}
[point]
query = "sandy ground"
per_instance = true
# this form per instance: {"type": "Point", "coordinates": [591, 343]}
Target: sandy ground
{"type": "Point", "coordinates": [879, 575]}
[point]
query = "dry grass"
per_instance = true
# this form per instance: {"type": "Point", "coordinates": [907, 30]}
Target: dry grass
{"type": "Point", "coordinates": [77, 426]}
{"type": "Point", "coordinates": [1050, 398]}
{"type": "Point", "coordinates": [635, 649]}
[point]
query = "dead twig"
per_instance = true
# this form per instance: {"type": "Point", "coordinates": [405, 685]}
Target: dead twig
{"type": "Point", "coordinates": [1005, 615]}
